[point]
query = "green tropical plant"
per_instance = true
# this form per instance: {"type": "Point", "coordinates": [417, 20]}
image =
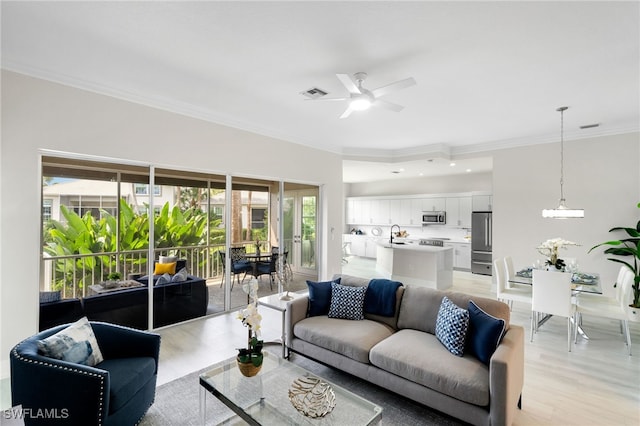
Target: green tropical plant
{"type": "Point", "coordinates": [90, 236]}
{"type": "Point", "coordinates": [627, 247]}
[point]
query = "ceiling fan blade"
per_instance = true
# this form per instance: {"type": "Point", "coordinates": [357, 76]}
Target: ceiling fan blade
{"type": "Point", "coordinates": [348, 82]}
{"type": "Point", "coordinates": [328, 99]}
{"type": "Point", "coordinates": [385, 90]}
{"type": "Point", "coordinates": [388, 105]}
{"type": "Point", "coordinates": [346, 113]}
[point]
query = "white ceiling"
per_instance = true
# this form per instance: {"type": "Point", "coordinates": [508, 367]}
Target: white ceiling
{"type": "Point", "coordinates": [489, 74]}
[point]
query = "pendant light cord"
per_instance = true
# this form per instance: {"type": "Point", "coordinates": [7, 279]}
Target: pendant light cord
{"type": "Point", "coordinates": [562, 110]}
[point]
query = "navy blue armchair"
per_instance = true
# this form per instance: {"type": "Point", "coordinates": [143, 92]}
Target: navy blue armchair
{"type": "Point", "coordinates": [117, 391]}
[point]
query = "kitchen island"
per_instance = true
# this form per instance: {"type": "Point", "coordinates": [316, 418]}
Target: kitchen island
{"type": "Point", "coordinates": [415, 264]}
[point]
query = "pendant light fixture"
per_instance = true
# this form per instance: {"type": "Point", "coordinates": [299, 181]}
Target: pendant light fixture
{"type": "Point", "coordinates": [562, 211]}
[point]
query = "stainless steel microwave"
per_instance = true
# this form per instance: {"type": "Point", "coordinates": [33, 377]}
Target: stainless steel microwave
{"type": "Point", "coordinates": [434, 218]}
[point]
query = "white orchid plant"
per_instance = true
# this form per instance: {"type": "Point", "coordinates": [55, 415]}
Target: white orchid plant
{"type": "Point", "coordinates": [551, 248]}
{"type": "Point", "coordinates": [251, 319]}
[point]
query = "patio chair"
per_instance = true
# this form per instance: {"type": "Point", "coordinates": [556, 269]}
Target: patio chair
{"type": "Point", "coordinates": [268, 268]}
{"type": "Point", "coordinates": [239, 264]}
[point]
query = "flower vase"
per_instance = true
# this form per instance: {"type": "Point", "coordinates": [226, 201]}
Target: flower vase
{"type": "Point", "coordinates": [248, 369]}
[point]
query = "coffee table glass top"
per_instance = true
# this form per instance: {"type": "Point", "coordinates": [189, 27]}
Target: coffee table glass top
{"type": "Point", "coordinates": [264, 398]}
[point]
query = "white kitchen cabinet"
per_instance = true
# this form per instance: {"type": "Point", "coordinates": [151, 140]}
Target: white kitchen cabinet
{"type": "Point", "coordinates": [461, 255]}
{"type": "Point", "coordinates": [482, 203]}
{"type": "Point", "coordinates": [417, 207]}
{"type": "Point", "coordinates": [350, 213]}
{"type": "Point", "coordinates": [459, 212]}
{"type": "Point", "coordinates": [358, 245]}
{"type": "Point", "coordinates": [434, 204]}
{"type": "Point", "coordinates": [401, 213]}
{"type": "Point", "coordinates": [371, 248]}
{"type": "Point", "coordinates": [379, 210]}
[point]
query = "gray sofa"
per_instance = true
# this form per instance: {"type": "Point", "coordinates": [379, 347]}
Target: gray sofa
{"type": "Point", "coordinates": [402, 354]}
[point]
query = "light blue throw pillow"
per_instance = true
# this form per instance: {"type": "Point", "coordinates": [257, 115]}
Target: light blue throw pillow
{"type": "Point", "coordinates": [451, 326]}
{"type": "Point", "coordinates": [180, 276]}
{"type": "Point", "coordinates": [76, 344]}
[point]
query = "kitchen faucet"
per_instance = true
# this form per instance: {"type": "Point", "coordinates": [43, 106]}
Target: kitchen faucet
{"type": "Point", "coordinates": [391, 236]}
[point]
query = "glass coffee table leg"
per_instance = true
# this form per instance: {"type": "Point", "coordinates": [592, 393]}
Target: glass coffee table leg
{"type": "Point", "coordinates": [203, 406]}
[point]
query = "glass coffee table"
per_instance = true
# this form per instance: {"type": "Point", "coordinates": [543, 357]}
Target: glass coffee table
{"type": "Point", "coordinates": [264, 398]}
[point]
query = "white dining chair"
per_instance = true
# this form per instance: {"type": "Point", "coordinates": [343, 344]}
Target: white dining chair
{"type": "Point", "coordinates": [552, 296]}
{"type": "Point", "coordinates": [608, 307]}
{"type": "Point", "coordinates": [509, 295]}
{"type": "Point", "coordinates": [511, 273]}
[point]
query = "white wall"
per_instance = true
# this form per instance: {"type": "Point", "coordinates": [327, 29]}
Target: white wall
{"type": "Point", "coordinates": [468, 182]}
{"type": "Point", "coordinates": [601, 176]}
{"type": "Point", "coordinates": [37, 115]}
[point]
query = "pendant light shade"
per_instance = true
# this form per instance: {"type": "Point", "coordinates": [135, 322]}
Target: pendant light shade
{"type": "Point", "coordinates": [562, 211]}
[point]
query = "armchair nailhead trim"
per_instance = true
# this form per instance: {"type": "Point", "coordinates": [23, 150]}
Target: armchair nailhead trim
{"type": "Point", "coordinates": [64, 368]}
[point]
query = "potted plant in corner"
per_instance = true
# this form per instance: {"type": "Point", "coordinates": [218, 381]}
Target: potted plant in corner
{"type": "Point", "coordinates": [627, 247]}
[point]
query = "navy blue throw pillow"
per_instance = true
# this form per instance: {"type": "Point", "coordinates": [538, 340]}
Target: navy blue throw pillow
{"type": "Point", "coordinates": [485, 333]}
{"type": "Point", "coordinates": [319, 297]}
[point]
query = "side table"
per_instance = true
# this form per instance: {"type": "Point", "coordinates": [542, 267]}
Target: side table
{"type": "Point", "coordinates": [273, 301]}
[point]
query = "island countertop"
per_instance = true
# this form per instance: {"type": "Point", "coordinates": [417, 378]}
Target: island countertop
{"type": "Point", "coordinates": [415, 264]}
{"type": "Point", "coordinates": [411, 246]}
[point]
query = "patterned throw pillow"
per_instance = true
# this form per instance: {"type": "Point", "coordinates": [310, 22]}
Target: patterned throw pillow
{"type": "Point", "coordinates": [485, 333]}
{"type": "Point", "coordinates": [76, 344]}
{"type": "Point", "coordinates": [347, 302]}
{"type": "Point", "coordinates": [451, 326]}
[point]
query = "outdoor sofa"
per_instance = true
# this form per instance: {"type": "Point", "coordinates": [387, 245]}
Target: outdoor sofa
{"type": "Point", "coordinates": [401, 353]}
{"type": "Point", "coordinates": [173, 302]}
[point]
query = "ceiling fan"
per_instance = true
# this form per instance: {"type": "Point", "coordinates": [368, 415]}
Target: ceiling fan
{"type": "Point", "coordinates": [361, 99]}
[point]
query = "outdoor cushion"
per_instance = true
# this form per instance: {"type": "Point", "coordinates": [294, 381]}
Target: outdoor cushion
{"type": "Point", "coordinates": [352, 339]}
{"type": "Point", "coordinates": [420, 357]}
{"type": "Point", "coordinates": [164, 268]}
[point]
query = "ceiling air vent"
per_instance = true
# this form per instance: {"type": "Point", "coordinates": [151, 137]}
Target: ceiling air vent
{"type": "Point", "coordinates": [314, 93]}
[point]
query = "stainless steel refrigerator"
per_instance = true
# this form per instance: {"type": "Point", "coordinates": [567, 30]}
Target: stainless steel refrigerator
{"type": "Point", "coordinates": [481, 243]}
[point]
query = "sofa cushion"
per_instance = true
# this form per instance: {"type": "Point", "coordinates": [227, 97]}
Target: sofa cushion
{"type": "Point", "coordinates": [126, 377]}
{"type": "Point", "coordinates": [420, 305]}
{"type": "Point", "coordinates": [451, 326]}
{"type": "Point", "coordinates": [75, 343]}
{"type": "Point", "coordinates": [421, 358]}
{"type": "Point", "coordinates": [319, 297]}
{"type": "Point", "coordinates": [347, 302]}
{"type": "Point", "coordinates": [352, 339]}
{"type": "Point", "coordinates": [485, 333]}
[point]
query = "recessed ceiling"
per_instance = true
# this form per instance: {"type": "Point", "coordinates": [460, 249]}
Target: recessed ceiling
{"type": "Point", "coordinates": [489, 74]}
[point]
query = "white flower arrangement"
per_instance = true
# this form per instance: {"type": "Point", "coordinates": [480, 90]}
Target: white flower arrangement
{"type": "Point", "coordinates": [550, 249]}
{"type": "Point", "coordinates": [251, 319]}
{"type": "Point", "coordinates": [250, 316]}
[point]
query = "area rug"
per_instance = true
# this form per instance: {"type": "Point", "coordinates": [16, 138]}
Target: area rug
{"type": "Point", "coordinates": [177, 402]}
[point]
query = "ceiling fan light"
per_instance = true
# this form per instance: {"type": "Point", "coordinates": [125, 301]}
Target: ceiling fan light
{"type": "Point", "coordinates": [360, 104]}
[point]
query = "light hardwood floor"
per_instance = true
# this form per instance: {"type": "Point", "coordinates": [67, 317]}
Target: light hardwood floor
{"type": "Point", "coordinates": [595, 384]}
